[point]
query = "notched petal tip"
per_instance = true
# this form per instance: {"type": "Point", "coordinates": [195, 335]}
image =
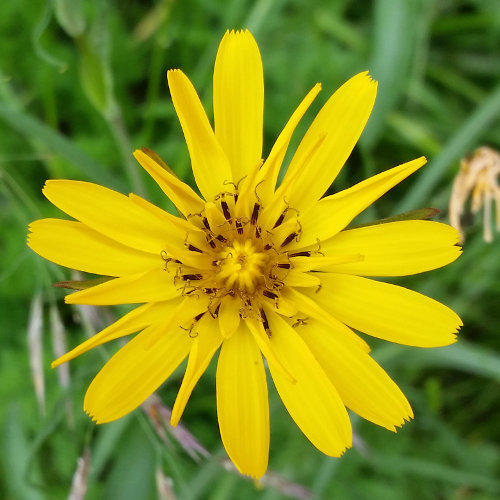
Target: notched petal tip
{"type": "Point", "coordinates": [174, 73]}
{"type": "Point", "coordinates": [399, 425]}
{"type": "Point", "coordinates": [236, 33]}
{"type": "Point", "coordinates": [369, 78]}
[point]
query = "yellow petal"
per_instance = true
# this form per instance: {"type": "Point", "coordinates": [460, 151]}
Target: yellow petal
{"type": "Point", "coordinates": [181, 195]}
{"type": "Point", "coordinates": [134, 373]}
{"type": "Point", "coordinates": [362, 384]}
{"type": "Point", "coordinates": [265, 180]}
{"type": "Point", "coordinates": [113, 214]}
{"type": "Point", "coordinates": [186, 316]}
{"type": "Point", "coordinates": [394, 249]}
{"type": "Point", "coordinates": [322, 261]}
{"type": "Point", "coordinates": [242, 403]}
{"type": "Point", "coordinates": [74, 245]}
{"type": "Point", "coordinates": [300, 279]}
{"type": "Point", "coordinates": [262, 339]}
{"type": "Point", "coordinates": [151, 286]}
{"type": "Point", "coordinates": [312, 400]}
{"type": "Point", "coordinates": [239, 101]}
{"type": "Point", "coordinates": [229, 315]}
{"type": "Point", "coordinates": [388, 311]}
{"type": "Point", "coordinates": [206, 342]}
{"type": "Point", "coordinates": [310, 308]}
{"type": "Point", "coordinates": [210, 165]}
{"type": "Point", "coordinates": [132, 322]}
{"type": "Point", "coordinates": [279, 203]}
{"type": "Point", "coordinates": [333, 213]}
{"type": "Point", "coordinates": [177, 225]}
{"type": "Point", "coordinates": [341, 121]}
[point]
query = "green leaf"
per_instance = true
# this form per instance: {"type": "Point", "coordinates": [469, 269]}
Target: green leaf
{"type": "Point", "coordinates": [69, 14]}
{"type": "Point", "coordinates": [462, 356]}
{"type": "Point", "coordinates": [33, 129]}
{"type": "Point", "coordinates": [95, 76]}
{"type": "Point", "coordinates": [418, 214]}
{"type": "Point", "coordinates": [395, 38]}
{"type": "Point", "coordinates": [81, 284]}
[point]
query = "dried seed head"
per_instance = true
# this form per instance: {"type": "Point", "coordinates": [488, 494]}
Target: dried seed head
{"type": "Point", "coordinates": [478, 178]}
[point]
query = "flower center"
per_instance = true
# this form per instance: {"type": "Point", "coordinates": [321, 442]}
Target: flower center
{"type": "Point", "coordinates": [242, 259]}
{"type": "Point", "coordinates": [241, 266]}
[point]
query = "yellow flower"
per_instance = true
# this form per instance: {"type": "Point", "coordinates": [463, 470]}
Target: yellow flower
{"type": "Point", "coordinates": [255, 269]}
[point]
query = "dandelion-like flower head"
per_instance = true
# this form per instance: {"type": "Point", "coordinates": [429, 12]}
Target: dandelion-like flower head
{"type": "Point", "coordinates": [253, 269]}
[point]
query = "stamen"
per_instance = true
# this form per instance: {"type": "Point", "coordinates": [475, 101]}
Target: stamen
{"type": "Point", "coordinates": [269, 294]}
{"type": "Point", "coordinates": [265, 323]}
{"type": "Point", "coordinates": [192, 277]}
{"type": "Point", "coordinates": [255, 214]}
{"type": "Point", "coordinates": [164, 256]}
{"type": "Point", "coordinates": [280, 219]}
{"type": "Point", "coordinates": [300, 322]}
{"type": "Point", "coordinates": [193, 324]}
{"type": "Point", "coordinates": [289, 239]}
{"type": "Point", "coordinates": [206, 223]}
{"type": "Point", "coordinates": [192, 248]}
{"type": "Point", "coordinates": [190, 291]}
{"type": "Point", "coordinates": [306, 253]}
{"type": "Point", "coordinates": [215, 313]}
{"type": "Point", "coordinates": [225, 208]}
{"type": "Point", "coordinates": [210, 241]}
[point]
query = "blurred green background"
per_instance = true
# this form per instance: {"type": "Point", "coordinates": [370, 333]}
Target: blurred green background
{"type": "Point", "coordinates": [82, 83]}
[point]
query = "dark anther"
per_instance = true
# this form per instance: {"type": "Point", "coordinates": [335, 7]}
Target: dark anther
{"type": "Point", "coordinates": [210, 241]}
{"type": "Point", "coordinates": [194, 249]}
{"type": "Point", "coordinates": [269, 294]}
{"type": "Point", "coordinates": [289, 238]}
{"type": "Point", "coordinates": [225, 209]}
{"type": "Point", "coordinates": [257, 231]}
{"type": "Point", "coordinates": [192, 277]}
{"type": "Point", "coordinates": [198, 317]}
{"type": "Point", "coordinates": [265, 323]}
{"type": "Point", "coordinates": [284, 265]}
{"type": "Point", "coordinates": [239, 226]}
{"type": "Point", "coordinates": [205, 223]}
{"type": "Point", "coordinates": [221, 238]}
{"type": "Point", "coordinates": [210, 291]}
{"type": "Point", "coordinates": [267, 246]}
{"type": "Point", "coordinates": [255, 214]}
{"type": "Point", "coordinates": [306, 253]}
{"type": "Point", "coordinates": [281, 218]}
